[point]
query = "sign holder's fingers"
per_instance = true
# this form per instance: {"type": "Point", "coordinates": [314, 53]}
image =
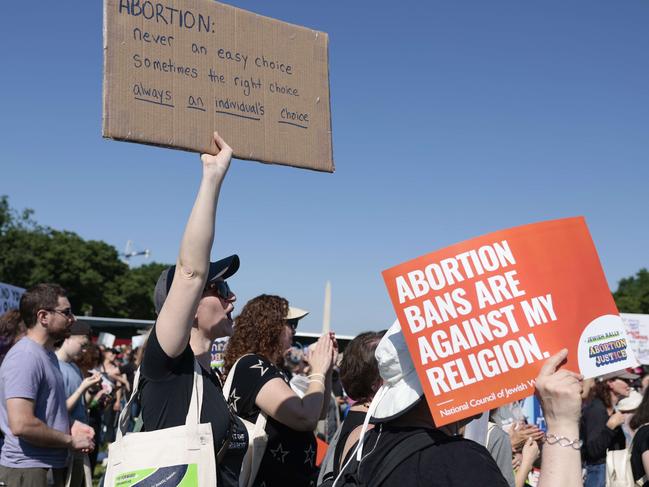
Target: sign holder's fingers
{"type": "Point", "coordinates": [551, 364]}
{"type": "Point", "coordinates": [222, 144]}
{"type": "Point", "coordinates": [562, 373]}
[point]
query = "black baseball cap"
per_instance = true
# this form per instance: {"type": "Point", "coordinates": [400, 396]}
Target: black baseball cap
{"type": "Point", "coordinates": [80, 328]}
{"type": "Point", "coordinates": [221, 269]}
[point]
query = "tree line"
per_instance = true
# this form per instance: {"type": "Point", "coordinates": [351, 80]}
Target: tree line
{"type": "Point", "coordinates": [98, 282]}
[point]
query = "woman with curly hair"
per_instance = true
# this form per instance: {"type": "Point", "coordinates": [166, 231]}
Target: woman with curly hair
{"type": "Point", "coordinates": [261, 337]}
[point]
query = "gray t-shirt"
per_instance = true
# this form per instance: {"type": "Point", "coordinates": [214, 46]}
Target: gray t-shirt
{"type": "Point", "coordinates": [71, 381]}
{"type": "Point", "coordinates": [499, 446]}
{"type": "Point", "coordinates": [30, 371]}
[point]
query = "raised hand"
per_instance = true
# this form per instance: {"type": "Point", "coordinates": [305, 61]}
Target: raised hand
{"type": "Point", "coordinates": [530, 453]}
{"type": "Point", "coordinates": [322, 355]}
{"type": "Point", "coordinates": [559, 392]}
{"type": "Point", "coordinates": [220, 162]}
{"type": "Point", "coordinates": [90, 381]}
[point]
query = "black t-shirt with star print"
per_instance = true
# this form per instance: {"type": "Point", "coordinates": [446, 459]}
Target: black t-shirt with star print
{"type": "Point", "coordinates": [289, 458]}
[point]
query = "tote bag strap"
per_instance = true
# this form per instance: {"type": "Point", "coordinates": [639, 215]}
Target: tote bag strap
{"type": "Point", "coordinates": [228, 381]}
{"type": "Point", "coordinates": [196, 402]}
{"type": "Point", "coordinates": [193, 418]}
{"type": "Point", "coordinates": [122, 424]}
{"type": "Point", "coordinates": [260, 424]}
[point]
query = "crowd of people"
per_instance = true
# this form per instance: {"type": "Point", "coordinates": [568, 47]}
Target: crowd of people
{"type": "Point", "coordinates": [63, 398]}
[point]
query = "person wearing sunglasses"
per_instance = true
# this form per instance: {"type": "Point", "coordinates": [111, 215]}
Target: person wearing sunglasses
{"type": "Point", "coordinates": [33, 413]}
{"type": "Point", "coordinates": [263, 333]}
{"type": "Point", "coordinates": [194, 304]}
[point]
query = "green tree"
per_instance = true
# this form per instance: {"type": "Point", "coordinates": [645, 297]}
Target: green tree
{"type": "Point", "coordinates": [632, 295]}
{"type": "Point", "coordinates": [136, 288]}
{"type": "Point", "coordinates": [97, 281]}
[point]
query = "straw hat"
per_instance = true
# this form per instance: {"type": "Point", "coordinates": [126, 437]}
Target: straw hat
{"type": "Point", "coordinates": [295, 313]}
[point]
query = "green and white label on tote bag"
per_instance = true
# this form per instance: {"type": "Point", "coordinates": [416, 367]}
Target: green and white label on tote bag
{"type": "Point", "coordinates": [172, 476]}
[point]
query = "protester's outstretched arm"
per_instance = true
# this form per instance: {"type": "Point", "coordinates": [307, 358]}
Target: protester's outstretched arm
{"type": "Point", "coordinates": [278, 400]}
{"type": "Point", "coordinates": [560, 394]}
{"type": "Point", "coordinates": [177, 315]}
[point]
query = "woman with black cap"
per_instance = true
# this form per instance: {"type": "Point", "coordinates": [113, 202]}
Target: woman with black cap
{"type": "Point", "coordinates": [194, 305]}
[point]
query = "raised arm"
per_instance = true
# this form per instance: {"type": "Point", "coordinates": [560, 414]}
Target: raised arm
{"type": "Point", "coordinates": [278, 400]}
{"type": "Point", "coordinates": [177, 314]}
{"type": "Point", "coordinates": [88, 382]}
{"type": "Point", "coordinates": [560, 394]}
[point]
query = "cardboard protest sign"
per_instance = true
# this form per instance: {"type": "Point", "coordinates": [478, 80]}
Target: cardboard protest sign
{"type": "Point", "coordinates": [481, 316]}
{"type": "Point", "coordinates": [637, 329]}
{"type": "Point", "coordinates": [176, 71]}
{"type": "Point", "coordinates": [9, 297]}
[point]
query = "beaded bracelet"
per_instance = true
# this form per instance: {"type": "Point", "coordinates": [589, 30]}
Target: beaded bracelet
{"type": "Point", "coordinates": [551, 439]}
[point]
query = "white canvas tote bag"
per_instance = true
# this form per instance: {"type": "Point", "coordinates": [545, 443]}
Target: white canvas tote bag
{"type": "Point", "coordinates": [182, 456]}
{"type": "Point", "coordinates": [257, 438]}
{"type": "Point", "coordinates": [87, 471]}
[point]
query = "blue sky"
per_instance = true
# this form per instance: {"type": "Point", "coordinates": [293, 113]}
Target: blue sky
{"type": "Point", "coordinates": [450, 120]}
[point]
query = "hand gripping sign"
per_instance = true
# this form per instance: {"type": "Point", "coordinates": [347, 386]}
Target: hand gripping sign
{"type": "Point", "coordinates": [481, 316]}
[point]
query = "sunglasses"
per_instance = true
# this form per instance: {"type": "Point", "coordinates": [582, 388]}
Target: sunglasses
{"type": "Point", "coordinates": [67, 312]}
{"type": "Point", "coordinates": [221, 289]}
{"type": "Point", "coordinates": [292, 324]}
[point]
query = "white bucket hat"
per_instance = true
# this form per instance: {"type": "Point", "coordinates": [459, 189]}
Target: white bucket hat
{"type": "Point", "coordinates": [401, 385]}
{"type": "Point", "coordinates": [401, 388]}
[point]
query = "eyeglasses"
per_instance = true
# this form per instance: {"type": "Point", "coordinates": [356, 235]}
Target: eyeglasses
{"type": "Point", "coordinates": [292, 324]}
{"type": "Point", "coordinates": [67, 312]}
{"type": "Point", "coordinates": [221, 288]}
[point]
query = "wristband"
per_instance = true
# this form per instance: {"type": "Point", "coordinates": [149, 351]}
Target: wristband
{"type": "Point", "coordinates": [317, 374]}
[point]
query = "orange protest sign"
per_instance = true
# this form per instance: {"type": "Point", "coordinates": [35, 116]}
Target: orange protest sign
{"type": "Point", "coordinates": [481, 316]}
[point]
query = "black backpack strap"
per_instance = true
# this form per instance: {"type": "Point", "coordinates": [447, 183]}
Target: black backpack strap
{"type": "Point", "coordinates": [401, 451]}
